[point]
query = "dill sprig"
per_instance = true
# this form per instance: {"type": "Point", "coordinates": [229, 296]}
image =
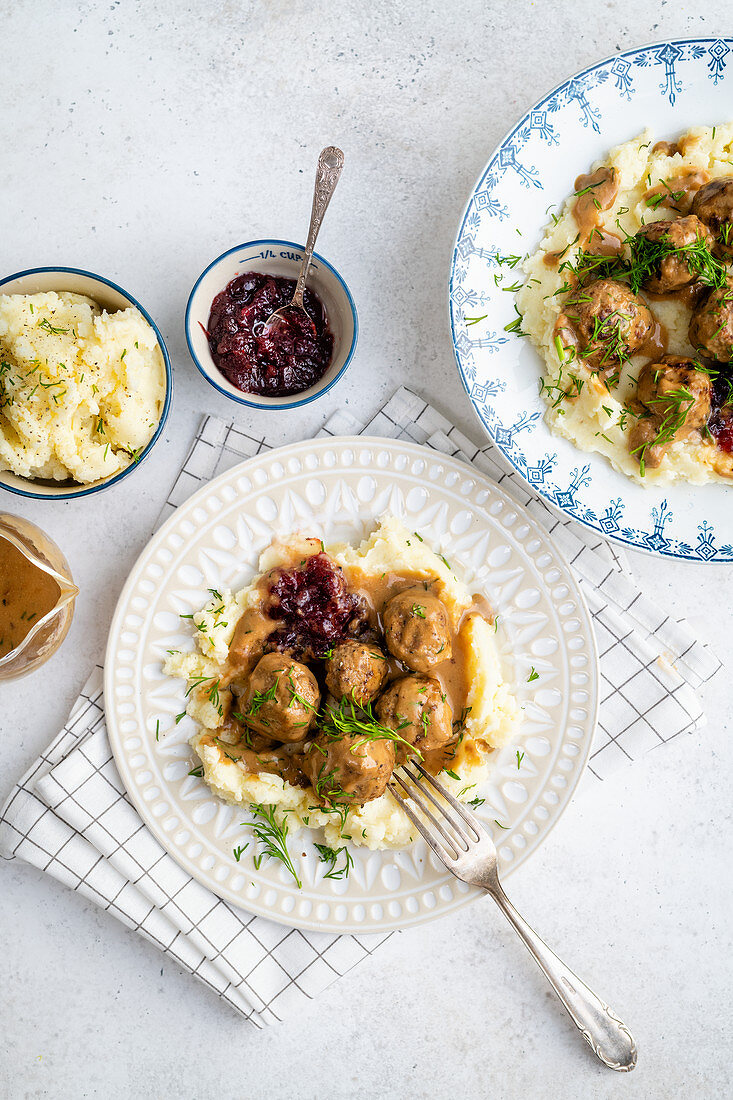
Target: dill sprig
{"type": "Point", "coordinates": [515, 326]}
{"type": "Point", "coordinates": [212, 693]}
{"type": "Point", "coordinates": [45, 323]}
{"type": "Point", "coordinates": [674, 407]}
{"type": "Point", "coordinates": [645, 257]}
{"type": "Point", "coordinates": [330, 856]}
{"type": "Point", "coordinates": [341, 811]}
{"type": "Point", "coordinates": [664, 195]}
{"type": "Point", "coordinates": [273, 838]}
{"type": "Point", "coordinates": [557, 392]}
{"type": "Point", "coordinates": [261, 697]}
{"type": "Point", "coordinates": [349, 718]}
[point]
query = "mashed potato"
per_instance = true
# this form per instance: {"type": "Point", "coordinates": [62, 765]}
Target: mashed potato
{"type": "Point", "coordinates": [491, 721]}
{"type": "Point", "coordinates": [81, 390]}
{"type": "Point", "coordinates": [595, 420]}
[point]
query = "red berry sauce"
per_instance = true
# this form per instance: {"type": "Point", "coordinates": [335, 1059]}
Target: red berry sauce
{"type": "Point", "coordinates": [720, 422]}
{"type": "Point", "coordinates": [316, 609]}
{"type": "Point", "coordinates": [287, 359]}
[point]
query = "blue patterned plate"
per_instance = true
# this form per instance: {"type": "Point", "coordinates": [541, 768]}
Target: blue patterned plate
{"type": "Point", "coordinates": [669, 86]}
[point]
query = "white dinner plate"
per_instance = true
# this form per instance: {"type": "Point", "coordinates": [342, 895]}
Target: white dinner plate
{"type": "Point", "coordinates": [336, 489]}
{"type": "Point", "coordinates": [669, 86]}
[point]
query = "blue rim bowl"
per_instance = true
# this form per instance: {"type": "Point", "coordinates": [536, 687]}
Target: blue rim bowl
{"type": "Point", "coordinates": [273, 257]}
{"type": "Point", "coordinates": [111, 297]}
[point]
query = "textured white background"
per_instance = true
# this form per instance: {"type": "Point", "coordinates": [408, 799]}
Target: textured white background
{"type": "Point", "coordinates": [140, 140]}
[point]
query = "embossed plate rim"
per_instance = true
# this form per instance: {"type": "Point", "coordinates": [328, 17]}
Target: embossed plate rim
{"type": "Point", "coordinates": [394, 461]}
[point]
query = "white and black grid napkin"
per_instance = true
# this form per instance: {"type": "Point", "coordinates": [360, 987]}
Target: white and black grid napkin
{"type": "Point", "coordinates": [70, 815]}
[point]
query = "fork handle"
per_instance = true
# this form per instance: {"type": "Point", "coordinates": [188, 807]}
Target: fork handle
{"type": "Point", "coordinates": [609, 1038]}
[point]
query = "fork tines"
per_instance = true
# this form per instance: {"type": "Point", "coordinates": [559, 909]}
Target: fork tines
{"type": "Point", "coordinates": [459, 829]}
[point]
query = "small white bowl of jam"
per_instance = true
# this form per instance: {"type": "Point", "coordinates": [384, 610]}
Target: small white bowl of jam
{"type": "Point", "coordinates": [225, 326]}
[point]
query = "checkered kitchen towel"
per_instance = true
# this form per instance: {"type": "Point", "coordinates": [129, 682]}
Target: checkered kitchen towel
{"type": "Point", "coordinates": [70, 816]}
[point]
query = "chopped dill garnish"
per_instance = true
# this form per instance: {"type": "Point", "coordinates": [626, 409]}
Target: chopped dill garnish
{"type": "Point", "coordinates": [349, 718]}
{"type": "Point", "coordinates": [45, 323]}
{"type": "Point", "coordinates": [330, 856]}
{"type": "Point", "coordinates": [515, 326]}
{"type": "Point", "coordinates": [675, 406]}
{"type": "Point", "coordinates": [261, 697]}
{"type": "Point", "coordinates": [273, 838]}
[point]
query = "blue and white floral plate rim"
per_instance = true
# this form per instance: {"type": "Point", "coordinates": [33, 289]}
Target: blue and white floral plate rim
{"type": "Point", "coordinates": [673, 85]}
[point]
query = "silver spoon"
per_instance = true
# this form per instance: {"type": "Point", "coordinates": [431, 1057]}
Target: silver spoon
{"type": "Point", "coordinates": [330, 163]}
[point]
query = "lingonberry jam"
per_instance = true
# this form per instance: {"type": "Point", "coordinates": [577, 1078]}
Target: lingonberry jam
{"type": "Point", "coordinates": [720, 422]}
{"type": "Point", "coordinates": [315, 607]}
{"type": "Point", "coordinates": [273, 361]}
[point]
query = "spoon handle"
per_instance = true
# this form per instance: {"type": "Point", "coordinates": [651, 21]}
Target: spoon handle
{"type": "Point", "coordinates": [330, 163]}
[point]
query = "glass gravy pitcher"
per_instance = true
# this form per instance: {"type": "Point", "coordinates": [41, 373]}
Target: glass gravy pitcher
{"type": "Point", "coordinates": [37, 595]}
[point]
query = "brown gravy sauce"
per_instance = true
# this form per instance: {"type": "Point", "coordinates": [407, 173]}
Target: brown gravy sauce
{"type": "Point", "coordinates": [256, 754]}
{"type": "Point", "coordinates": [27, 593]}
{"type": "Point", "coordinates": [678, 192]}
{"type": "Point", "coordinates": [603, 243]}
{"type": "Point", "coordinates": [599, 190]}
{"type": "Point", "coordinates": [552, 259]}
{"type": "Point", "coordinates": [452, 674]}
{"type": "Point", "coordinates": [669, 148]}
{"type": "Point", "coordinates": [688, 296]}
{"type": "Point", "coordinates": [655, 345]}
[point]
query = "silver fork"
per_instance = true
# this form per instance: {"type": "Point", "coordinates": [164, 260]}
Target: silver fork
{"type": "Point", "coordinates": [460, 841]}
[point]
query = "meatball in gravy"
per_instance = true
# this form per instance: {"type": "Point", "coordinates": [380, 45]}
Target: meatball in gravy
{"type": "Point", "coordinates": [349, 769]}
{"type": "Point", "coordinates": [672, 270]}
{"type": "Point", "coordinates": [713, 204]}
{"type": "Point", "coordinates": [675, 396]}
{"type": "Point", "coordinates": [356, 670]}
{"type": "Point", "coordinates": [417, 629]}
{"type": "Point", "coordinates": [608, 321]}
{"type": "Point", "coordinates": [280, 698]}
{"type": "Point", "coordinates": [711, 325]}
{"type": "Point", "coordinates": [416, 708]}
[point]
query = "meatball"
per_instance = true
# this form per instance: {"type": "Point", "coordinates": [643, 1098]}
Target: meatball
{"type": "Point", "coordinates": [672, 272]}
{"type": "Point", "coordinates": [416, 708]}
{"type": "Point", "coordinates": [610, 322]}
{"type": "Point", "coordinates": [713, 204]}
{"type": "Point", "coordinates": [280, 698]}
{"type": "Point", "coordinates": [416, 629]}
{"type": "Point", "coordinates": [350, 769]}
{"type": "Point", "coordinates": [711, 326]}
{"type": "Point", "coordinates": [357, 671]}
{"type": "Point", "coordinates": [676, 395]}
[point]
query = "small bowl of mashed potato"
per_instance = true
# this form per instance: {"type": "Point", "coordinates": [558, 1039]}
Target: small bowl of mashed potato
{"type": "Point", "coordinates": [85, 383]}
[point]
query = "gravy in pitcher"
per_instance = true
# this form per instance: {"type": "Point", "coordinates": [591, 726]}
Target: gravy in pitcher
{"type": "Point", "coordinates": [27, 593]}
